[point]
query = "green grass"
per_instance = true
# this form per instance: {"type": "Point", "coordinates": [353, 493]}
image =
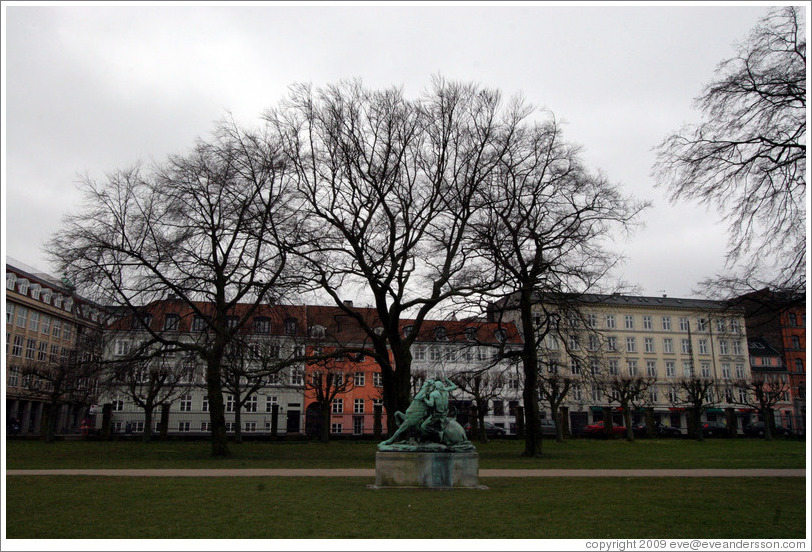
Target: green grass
{"type": "Point", "coordinates": [43, 507]}
{"type": "Point", "coordinates": [576, 454]}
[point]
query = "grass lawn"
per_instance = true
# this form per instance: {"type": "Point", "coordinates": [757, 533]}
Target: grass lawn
{"type": "Point", "coordinates": [576, 454]}
{"type": "Point", "coordinates": [60, 507]}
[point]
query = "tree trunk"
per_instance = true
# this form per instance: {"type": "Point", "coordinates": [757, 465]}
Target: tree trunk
{"type": "Point", "coordinates": [237, 421]}
{"type": "Point", "coordinates": [324, 430]}
{"type": "Point", "coordinates": [532, 440]}
{"type": "Point", "coordinates": [696, 422]}
{"type": "Point", "coordinates": [627, 421]}
{"type": "Point", "coordinates": [217, 415]}
{"type": "Point", "coordinates": [48, 422]}
{"type": "Point", "coordinates": [147, 435]}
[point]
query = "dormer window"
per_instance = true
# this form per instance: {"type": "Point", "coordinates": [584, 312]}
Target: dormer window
{"type": "Point", "coordinates": [470, 334]}
{"type": "Point", "coordinates": [36, 289]}
{"type": "Point", "coordinates": [11, 281]}
{"type": "Point", "coordinates": [68, 305]}
{"type": "Point", "coordinates": [317, 331]}
{"type": "Point", "coordinates": [440, 333]}
{"type": "Point", "coordinates": [232, 322]}
{"type": "Point", "coordinates": [262, 325]}
{"type": "Point", "coordinates": [407, 330]}
{"type": "Point", "coordinates": [198, 323]}
{"type": "Point", "coordinates": [22, 286]}
{"type": "Point", "coordinates": [58, 301]}
{"type": "Point", "coordinates": [171, 322]}
{"type": "Point", "coordinates": [146, 320]}
{"type": "Point", "coordinates": [500, 335]}
{"type": "Point", "coordinates": [46, 296]}
{"type": "Point", "coordinates": [291, 326]}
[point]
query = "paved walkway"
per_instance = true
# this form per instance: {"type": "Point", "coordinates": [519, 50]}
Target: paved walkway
{"type": "Point", "coordinates": [371, 473]}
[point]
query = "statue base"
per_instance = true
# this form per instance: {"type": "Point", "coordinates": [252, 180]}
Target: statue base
{"type": "Point", "coordinates": [429, 470]}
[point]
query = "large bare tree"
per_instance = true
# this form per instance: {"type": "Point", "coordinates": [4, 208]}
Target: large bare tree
{"type": "Point", "coordinates": [748, 155]}
{"type": "Point", "coordinates": [207, 228]}
{"type": "Point", "coordinates": [389, 186]}
{"type": "Point", "coordinates": [541, 230]}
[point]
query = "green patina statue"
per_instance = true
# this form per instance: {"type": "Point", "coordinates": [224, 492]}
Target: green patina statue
{"type": "Point", "coordinates": [426, 425]}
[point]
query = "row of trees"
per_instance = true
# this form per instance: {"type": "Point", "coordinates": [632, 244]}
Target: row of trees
{"type": "Point", "coordinates": [454, 198]}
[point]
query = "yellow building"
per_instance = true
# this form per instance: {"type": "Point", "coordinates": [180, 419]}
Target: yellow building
{"type": "Point", "coordinates": [44, 321]}
{"type": "Point", "coordinates": [662, 339]}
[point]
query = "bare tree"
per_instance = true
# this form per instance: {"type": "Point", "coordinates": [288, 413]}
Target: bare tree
{"type": "Point", "coordinates": [326, 383]}
{"type": "Point", "coordinates": [747, 157]}
{"type": "Point", "coordinates": [208, 228]}
{"type": "Point", "coordinates": [697, 393]}
{"type": "Point", "coordinates": [482, 384]}
{"type": "Point", "coordinates": [555, 386]}
{"type": "Point", "coordinates": [762, 392]}
{"type": "Point", "coordinates": [541, 231]}
{"type": "Point", "coordinates": [389, 185]}
{"type": "Point", "coordinates": [629, 392]}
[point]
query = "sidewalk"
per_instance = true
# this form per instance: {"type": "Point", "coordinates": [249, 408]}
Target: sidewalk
{"type": "Point", "coordinates": [371, 473]}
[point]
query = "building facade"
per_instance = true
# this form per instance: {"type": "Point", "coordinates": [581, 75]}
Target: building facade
{"type": "Point", "coordinates": [660, 339]}
{"type": "Point", "coordinates": [45, 320]}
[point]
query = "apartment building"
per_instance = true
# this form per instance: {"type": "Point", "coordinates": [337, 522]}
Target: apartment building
{"type": "Point", "coordinates": [45, 320]}
{"type": "Point", "coordinates": [303, 341]}
{"type": "Point", "coordinates": [663, 339]}
{"type": "Point", "coordinates": [779, 319]}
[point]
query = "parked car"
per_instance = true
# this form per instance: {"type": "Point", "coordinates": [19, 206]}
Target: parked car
{"type": "Point", "coordinates": [756, 429]}
{"type": "Point", "coordinates": [596, 429]}
{"type": "Point", "coordinates": [548, 427]}
{"type": "Point", "coordinates": [490, 430]}
{"type": "Point", "coordinates": [660, 430]}
{"type": "Point", "coordinates": [714, 429]}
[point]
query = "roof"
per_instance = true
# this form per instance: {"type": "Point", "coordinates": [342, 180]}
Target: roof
{"type": "Point", "coordinates": [632, 301]}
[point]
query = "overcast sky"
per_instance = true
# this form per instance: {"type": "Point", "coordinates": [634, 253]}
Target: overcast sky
{"type": "Point", "coordinates": [91, 89]}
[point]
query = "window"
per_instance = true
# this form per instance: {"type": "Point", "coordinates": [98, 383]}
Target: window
{"type": "Point", "coordinates": [297, 377]}
{"type": "Point", "coordinates": [46, 296]}
{"type": "Point", "coordinates": [250, 427]}
{"type": "Point", "coordinates": [13, 377]}
{"type": "Point", "coordinates": [500, 335]}
{"type": "Point", "coordinates": [651, 368]}
{"type": "Point", "coordinates": [742, 395]}
{"type": "Point", "coordinates": [498, 408]}
{"type": "Point", "coordinates": [270, 400]}
{"type": "Point", "coordinates": [360, 379]}
{"type": "Point", "coordinates": [705, 369]}
{"type": "Point", "coordinates": [230, 426]}
{"type": "Point", "coordinates": [440, 333]}
{"type": "Point", "coordinates": [22, 316]}
{"type": "Point", "coordinates": [610, 321]}
{"type": "Point", "coordinates": [184, 426]}
{"type": "Point", "coordinates": [251, 404]}
{"type": "Point", "coordinates": [420, 353]}
{"type": "Point", "coordinates": [799, 366]}
{"type": "Point", "coordinates": [703, 346]}
{"type": "Point", "coordinates": [739, 371]}
{"type": "Point", "coordinates": [118, 403]}
{"type": "Point", "coordinates": [450, 355]}
{"type": "Point", "coordinates": [358, 406]}
{"type": "Point", "coordinates": [58, 301]}
{"type": "Point", "coordinates": [688, 369]}
{"type": "Point", "coordinates": [205, 407]}
{"type": "Point", "coordinates": [407, 330]}
{"type": "Point", "coordinates": [667, 323]}
{"type": "Point", "coordinates": [552, 342]}
{"type": "Point", "coordinates": [684, 325]}
{"type": "Point", "coordinates": [686, 346]}
{"type": "Point", "coordinates": [45, 327]}
{"type": "Point", "coordinates": [631, 346]}
{"type": "Point", "coordinates": [734, 326]}
{"type": "Point", "coordinates": [672, 394]}
{"type": "Point", "coordinates": [230, 403]}
{"type": "Point", "coordinates": [577, 393]}
{"type": "Point", "coordinates": [171, 322]}
{"type": "Point", "coordinates": [723, 346]}
{"type": "Point", "coordinates": [670, 369]}
{"type": "Point", "coordinates": [592, 320]}
{"type": "Point", "coordinates": [9, 313]}
{"type": "Point", "coordinates": [434, 353]}
{"type": "Point", "coordinates": [54, 353]}
{"type": "Point", "coordinates": [647, 323]}
{"type": "Point", "coordinates": [198, 323]}
{"type": "Point", "coordinates": [11, 281]}
{"type": "Point", "coordinates": [792, 319]}
{"type": "Point", "coordinates": [611, 343]}
{"type": "Point", "coordinates": [725, 371]}
{"type": "Point", "coordinates": [596, 393]}
{"type": "Point", "coordinates": [632, 366]}
{"type": "Point", "coordinates": [629, 322]}
{"type": "Point", "coordinates": [482, 353]}
{"type": "Point", "coordinates": [42, 352]}
{"type": "Point", "coordinates": [573, 341]}
{"type": "Point", "coordinates": [67, 330]}
{"type": "Point", "coordinates": [594, 342]}
{"type": "Point", "coordinates": [652, 394]}
{"type": "Point", "coordinates": [358, 425]}
{"type": "Point", "coordinates": [649, 344]}
{"type": "Point", "coordinates": [613, 367]}
{"type": "Point", "coordinates": [668, 345]}
{"type": "Point", "coordinates": [338, 406]}
{"type": "Point", "coordinates": [720, 325]}
{"type": "Point", "coordinates": [336, 428]}
{"type": "Point", "coordinates": [36, 289]}
{"type": "Point", "coordinates": [702, 325]}
{"type": "Point", "coordinates": [377, 379]}
{"type": "Point", "coordinates": [30, 349]}
{"type": "Point", "coordinates": [22, 286]}
{"type": "Point", "coordinates": [737, 347]}
{"type": "Point", "coordinates": [796, 341]}
{"type": "Point", "coordinates": [290, 326]}
{"type": "Point", "coordinates": [575, 367]}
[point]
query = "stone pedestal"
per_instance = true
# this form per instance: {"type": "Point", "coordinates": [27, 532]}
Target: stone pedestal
{"type": "Point", "coordinates": [431, 470]}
